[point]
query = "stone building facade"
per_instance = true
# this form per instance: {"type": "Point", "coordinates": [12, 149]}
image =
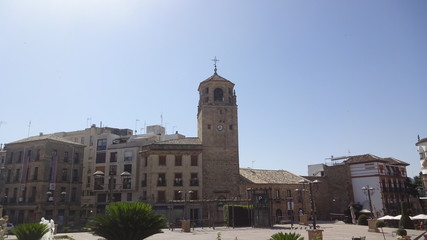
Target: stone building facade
{"type": "Point", "coordinates": [43, 179]}
{"type": "Point", "coordinates": [284, 195]}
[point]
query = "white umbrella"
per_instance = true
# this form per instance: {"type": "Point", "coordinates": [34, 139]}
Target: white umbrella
{"type": "Point", "coordinates": [386, 217]}
{"type": "Point", "coordinates": [419, 217]}
{"type": "Point", "coordinates": [398, 217]}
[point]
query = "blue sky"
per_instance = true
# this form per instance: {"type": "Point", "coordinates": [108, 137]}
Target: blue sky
{"type": "Point", "coordinates": [313, 78]}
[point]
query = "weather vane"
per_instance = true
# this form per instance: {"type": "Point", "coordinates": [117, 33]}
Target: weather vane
{"type": "Point", "coordinates": [215, 60]}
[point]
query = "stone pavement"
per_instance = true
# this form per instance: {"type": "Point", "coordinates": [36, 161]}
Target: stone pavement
{"type": "Point", "coordinates": [331, 231]}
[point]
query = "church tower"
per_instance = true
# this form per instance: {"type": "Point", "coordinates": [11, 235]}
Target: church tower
{"type": "Point", "coordinates": [218, 132]}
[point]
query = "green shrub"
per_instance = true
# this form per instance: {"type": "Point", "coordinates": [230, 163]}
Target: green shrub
{"type": "Point", "coordinates": [30, 231]}
{"type": "Point", "coordinates": [401, 232]}
{"type": "Point", "coordinates": [286, 236]}
{"type": "Point", "coordinates": [362, 220]}
{"type": "Point", "coordinates": [380, 224]}
{"type": "Point", "coordinates": [127, 220]}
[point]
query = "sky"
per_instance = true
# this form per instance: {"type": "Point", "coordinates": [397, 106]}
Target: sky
{"type": "Point", "coordinates": [313, 79]}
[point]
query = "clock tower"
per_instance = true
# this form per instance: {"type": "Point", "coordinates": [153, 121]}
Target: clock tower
{"type": "Point", "coordinates": [218, 132]}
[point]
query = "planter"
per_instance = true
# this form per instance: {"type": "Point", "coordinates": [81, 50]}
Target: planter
{"type": "Point", "coordinates": [303, 219]}
{"type": "Point", "coordinates": [315, 234]}
{"type": "Point", "coordinates": [185, 225]}
{"type": "Point", "coordinates": [372, 225]}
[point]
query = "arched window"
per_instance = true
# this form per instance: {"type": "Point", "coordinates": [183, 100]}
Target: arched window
{"type": "Point", "coordinates": [218, 95]}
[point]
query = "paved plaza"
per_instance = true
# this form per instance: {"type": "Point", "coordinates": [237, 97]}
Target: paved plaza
{"type": "Point", "coordinates": [331, 231]}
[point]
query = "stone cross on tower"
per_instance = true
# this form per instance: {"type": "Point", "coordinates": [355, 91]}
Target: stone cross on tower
{"type": "Point", "coordinates": [215, 60]}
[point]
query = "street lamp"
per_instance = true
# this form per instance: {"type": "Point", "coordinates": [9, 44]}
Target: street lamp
{"type": "Point", "coordinates": [369, 190]}
{"type": "Point", "coordinates": [312, 201]}
{"type": "Point", "coordinates": [100, 175]}
{"type": "Point", "coordinates": [185, 201]}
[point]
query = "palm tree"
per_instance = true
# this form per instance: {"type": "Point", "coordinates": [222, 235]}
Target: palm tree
{"type": "Point", "coordinates": [30, 231]}
{"type": "Point", "coordinates": [130, 221]}
{"type": "Point", "coordinates": [286, 236]}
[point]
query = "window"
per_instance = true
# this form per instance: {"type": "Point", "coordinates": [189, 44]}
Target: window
{"type": "Point", "coordinates": [194, 161]}
{"type": "Point", "coordinates": [218, 95]}
{"type": "Point", "coordinates": [127, 184]}
{"type": "Point", "coordinates": [144, 181]}
{"type": "Point", "coordinates": [178, 160]}
{"type": "Point", "coordinates": [100, 157]}
{"type": "Point", "coordinates": [161, 181]}
{"type": "Point", "coordinates": [19, 157]}
{"type": "Point", "coordinates": [75, 175]}
{"type": "Point", "coordinates": [128, 156]}
{"type": "Point", "coordinates": [209, 126]}
{"type": "Point", "coordinates": [35, 173]}
{"type": "Point", "coordinates": [129, 197]}
{"type": "Point", "coordinates": [101, 145]}
{"type": "Point", "coordinates": [113, 170]}
{"type": "Point", "coordinates": [65, 156]}
{"type": "Point", "coordinates": [102, 198]}
{"type": "Point", "coordinates": [91, 141]}
{"type": "Point", "coordinates": [9, 175]}
{"type": "Point", "coordinates": [161, 196]}
{"type": "Point", "coordinates": [230, 127]}
{"type": "Point", "coordinates": [145, 161]}
{"type": "Point", "coordinates": [194, 181]}
{"type": "Point", "coordinates": [288, 193]}
{"type": "Point", "coordinates": [64, 174]}
{"type": "Point", "coordinates": [82, 140]}
{"type": "Point", "coordinates": [17, 173]}
{"type": "Point", "coordinates": [178, 179]}
{"type": "Point", "coordinates": [113, 157]}
{"type": "Point", "coordinates": [29, 154]}
{"type": "Point", "coordinates": [128, 168]}
{"type": "Point", "coordinates": [177, 195]}
{"type": "Point", "coordinates": [207, 90]}
{"type": "Point", "coordinates": [11, 157]}
{"type": "Point", "coordinates": [33, 195]}
{"type": "Point", "coordinates": [38, 155]}
{"type": "Point", "coordinates": [76, 158]}
{"type": "Point", "coordinates": [73, 194]}
{"type": "Point", "coordinates": [194, 195]}
{"type": "Point", "coordinates": [277, 196]}
{"type": "Point", "coordinates": [162, 160]}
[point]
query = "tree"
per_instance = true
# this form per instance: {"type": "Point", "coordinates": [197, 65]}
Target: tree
{"type": "Point", "coordinates": [30, 231]}
{"type": "Point", "coordinates": [362, 220]}
{"type": "Point", "coordinates": [130, 221]}
{"type": "Point", "coordinates": [405, 220]}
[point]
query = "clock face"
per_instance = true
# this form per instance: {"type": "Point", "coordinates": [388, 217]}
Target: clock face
{"type": "Point", "coordinates": [219, 127]}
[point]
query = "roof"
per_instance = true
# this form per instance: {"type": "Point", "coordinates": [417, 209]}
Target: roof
{"type": "Point", "coordinates": [45, 137]}
{"type": "Point", "coordinates": [366, 158]}
{"type": "Point", "coordinates": [269, 176]}
{"type": "Point", "coordinates": [183, 144]}
{"type": "Point", "coordinates": [423, 140]}
{"type": "Point", "coordinates": [181, 141]}
{"type": "Point", "coordinates": [215, 77]}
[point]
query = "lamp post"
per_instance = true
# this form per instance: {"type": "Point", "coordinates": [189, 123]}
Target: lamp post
{"type": "Point", "coordinates": [100, 175]}
{"type": "Point", "coordinates": [51, 198]}
{"type": "Point", "coordinates": [312, 201]}
{"type": "Point", "coordinates": [185, 201]}
{"type": "Point", "coordinates": [369, 190]}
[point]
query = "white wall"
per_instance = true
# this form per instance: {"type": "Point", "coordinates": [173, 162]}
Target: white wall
{"type": "Point", "coordinates": [362, 198]}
